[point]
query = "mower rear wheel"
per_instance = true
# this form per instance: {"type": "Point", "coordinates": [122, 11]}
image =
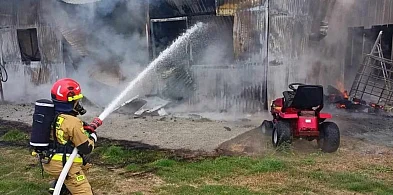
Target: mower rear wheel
{"type": "Point", "coordinates": [267, 127]}
{"type": "Point", "coordinates": [329, 139]}
{"type": "Point", "coordinates": [281, 133]}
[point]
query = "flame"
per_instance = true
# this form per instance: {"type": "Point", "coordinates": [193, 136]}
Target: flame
{"type": "Point", "coordinates": [341, 106]}
{"type": "Point", "coordinates": [346, 96]}
{"type": "Point", "coordinates": [340, 86]}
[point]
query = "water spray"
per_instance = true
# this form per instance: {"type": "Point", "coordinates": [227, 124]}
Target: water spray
{"type": "Point", "coordinates": [112, 106]}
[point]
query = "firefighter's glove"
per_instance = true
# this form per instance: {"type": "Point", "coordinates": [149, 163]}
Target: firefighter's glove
{"type": "Point", "coordinates": [93, 136]}
{"type": "Point", "coordinates": [91, 128]}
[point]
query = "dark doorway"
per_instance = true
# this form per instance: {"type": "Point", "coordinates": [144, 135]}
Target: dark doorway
{"type": "Point", "coordinates": [360, 42]}
{"type": "Point", "coordinates": [165, 32]}
{"type": "Point", "coordinates": [28, 45]}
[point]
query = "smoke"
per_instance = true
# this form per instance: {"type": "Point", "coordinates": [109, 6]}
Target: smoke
{"type": "Point", "coordinates": [115, 42]}
{"type": "Point", "coordinates": [325, 58]}
{"type": "Point", "coordinates": [338, 21]}
{"type": "Point", "coordinates": [19, 87]}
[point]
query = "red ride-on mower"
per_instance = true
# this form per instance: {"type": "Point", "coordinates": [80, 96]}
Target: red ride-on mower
{"type": "Point", "coordinates": [298, 115]}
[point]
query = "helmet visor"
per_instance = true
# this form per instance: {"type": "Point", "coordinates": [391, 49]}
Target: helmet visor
{"type": "Point", "coordinates": [75, 97]}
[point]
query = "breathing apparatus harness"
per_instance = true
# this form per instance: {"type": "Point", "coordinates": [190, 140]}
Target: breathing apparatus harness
{"type": "Point", "coordinates": [44, 122]}
{"type": "Point", "coordinates": [46, 155]}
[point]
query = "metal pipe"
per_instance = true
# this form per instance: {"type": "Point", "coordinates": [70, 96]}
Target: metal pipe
{"type": "Point", "coordinates": [168, 19]}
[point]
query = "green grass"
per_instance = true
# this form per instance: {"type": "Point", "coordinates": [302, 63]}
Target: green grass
{"type": "Point", "coordinates": [288, 173]}
{"type": "Point", "coordinates": [117, 155]}
{"type": "Point", "coordinates": [216, 169]}
{"type": "Point", "coordinates": [19, 174]}
{"type": "Point", "coordinates": [14, 136]}
{"type": "Point", "coordinates": [208, 189]}
{"type": "Point", "coordinates": [355, 182]}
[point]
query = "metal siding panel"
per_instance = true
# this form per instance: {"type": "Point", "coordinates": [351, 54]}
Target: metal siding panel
{"type": "Point", "coordinates": [27, 13]}
{"type": "Point", "coordinates": [7, 14]}
{"type": "Point", "coordinates": [371, 13]}
{"type": "Point", "coordinates": [389, 15]}
{"type": "Point", "coordinates": [379, 12]}
{"type": "Point", "coordinates": [386, 11]}
{"type": "Point", "coordinates": [229, 87]}
{"type": "Point", "coordinates": [9, 45]}
{"type": "Point", "coordinates": [195, 6]}
{"type": "Point", "coordinates": [290, 25]}
{"type": "Point", "coordinates": [238, 86]}
{"type": "Point", "coordinates": [49, 44]}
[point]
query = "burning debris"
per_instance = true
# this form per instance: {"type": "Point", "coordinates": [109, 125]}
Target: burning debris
{"type": "Point", "coordinates": [371, 91]}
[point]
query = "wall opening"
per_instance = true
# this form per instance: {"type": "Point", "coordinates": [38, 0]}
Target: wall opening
{"type": "Point", "coordinates": [28, 45]}
{"type": "Point", "coordinates": [361, 41]}
{"type": "Point", "coordinates": [165, 31]}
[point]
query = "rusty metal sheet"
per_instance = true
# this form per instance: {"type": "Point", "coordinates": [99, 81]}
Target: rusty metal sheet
{"type": "Point", "coordinates": [249, 33]}
{"type": "Point", "coordinates": [231, 7]}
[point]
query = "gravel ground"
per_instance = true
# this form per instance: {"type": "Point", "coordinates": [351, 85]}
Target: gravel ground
{"type": "Point", "coordinates": [179, 131]}
{"type": "Point", "coordinates": [205, 131]}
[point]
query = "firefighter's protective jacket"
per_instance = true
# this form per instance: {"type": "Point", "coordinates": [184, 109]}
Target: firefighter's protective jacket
{"type": "Point", "coordinates": [69, 129]}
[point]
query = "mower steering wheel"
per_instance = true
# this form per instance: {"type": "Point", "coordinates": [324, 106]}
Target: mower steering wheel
{"type": "Point", "coordinates": [291, 86]}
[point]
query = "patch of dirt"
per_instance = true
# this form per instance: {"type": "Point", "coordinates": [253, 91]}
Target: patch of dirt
{"type": "Point", "coordinates": [195, 135]}
{"type": "Point", "coordinates": [5, 126]}
{"type": "Point", "coordinates": [112, 183]}
{"type": "Point", "coordinates": [171, 132]}
{"type": "Point", "coordinates": [250, 143]}
{"type": "Point", "coordinates": [282, 180]}
{"type": "Point", "coordinates": [179, 154]}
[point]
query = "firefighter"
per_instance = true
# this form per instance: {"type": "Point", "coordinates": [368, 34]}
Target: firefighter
{"type": "Point", "coordinates": [68, 132]}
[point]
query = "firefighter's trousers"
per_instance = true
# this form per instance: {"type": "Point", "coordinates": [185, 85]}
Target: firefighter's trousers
{"type": "Point", "coordinates": [76, 181]}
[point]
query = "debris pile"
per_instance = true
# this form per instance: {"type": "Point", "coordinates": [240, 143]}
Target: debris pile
{"type": "Point", "coordinates": [371, 90]}
{"type": "Point", "coordinates": [342, 100]}
{"type": "Point", "coordinates": [142, 107]}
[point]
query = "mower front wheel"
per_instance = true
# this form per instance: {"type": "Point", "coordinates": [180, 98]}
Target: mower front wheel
{"type": "Point", "coordinates": [329, 139]}
{"type": "Point", "coordinates": [281, 133]}
{"type": "Point", "coordinates": [267, 127]}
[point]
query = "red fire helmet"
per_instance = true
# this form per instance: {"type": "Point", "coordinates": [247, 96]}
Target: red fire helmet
{"type": "Point", "coordinates": [66, 90]}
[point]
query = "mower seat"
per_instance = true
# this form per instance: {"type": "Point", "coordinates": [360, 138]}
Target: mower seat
{"type": "Point", "coordinates": [288, 98]}
{"type": "Point", "coordinates": [307, 97]}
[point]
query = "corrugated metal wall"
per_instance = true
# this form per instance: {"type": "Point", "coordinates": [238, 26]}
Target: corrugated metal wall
{"type": "Point", "coordinates": [289, 27]}
{"type": "Point", "coordinates": [239, 85]}
{"type": "Point", "coordinates": [372, 12]}
{"type": "Point", "coordinates": [193, 6]}
{"type": "Point", "coordinates": [293, 56]}
{"type": "Point", "coordinates": [229, 88]}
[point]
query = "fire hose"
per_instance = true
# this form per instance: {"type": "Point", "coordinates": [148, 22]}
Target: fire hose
{"type": "Point", "coordinates": [103, 115]}
{"type": "Point", "coordinates": [3, 74]}
{"type": "Point", "coordinates": [3, 78]}
{"type": "Point", "coordinates": [131, 85]}
{"type": "Point", "coordinates": [64, 172]}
